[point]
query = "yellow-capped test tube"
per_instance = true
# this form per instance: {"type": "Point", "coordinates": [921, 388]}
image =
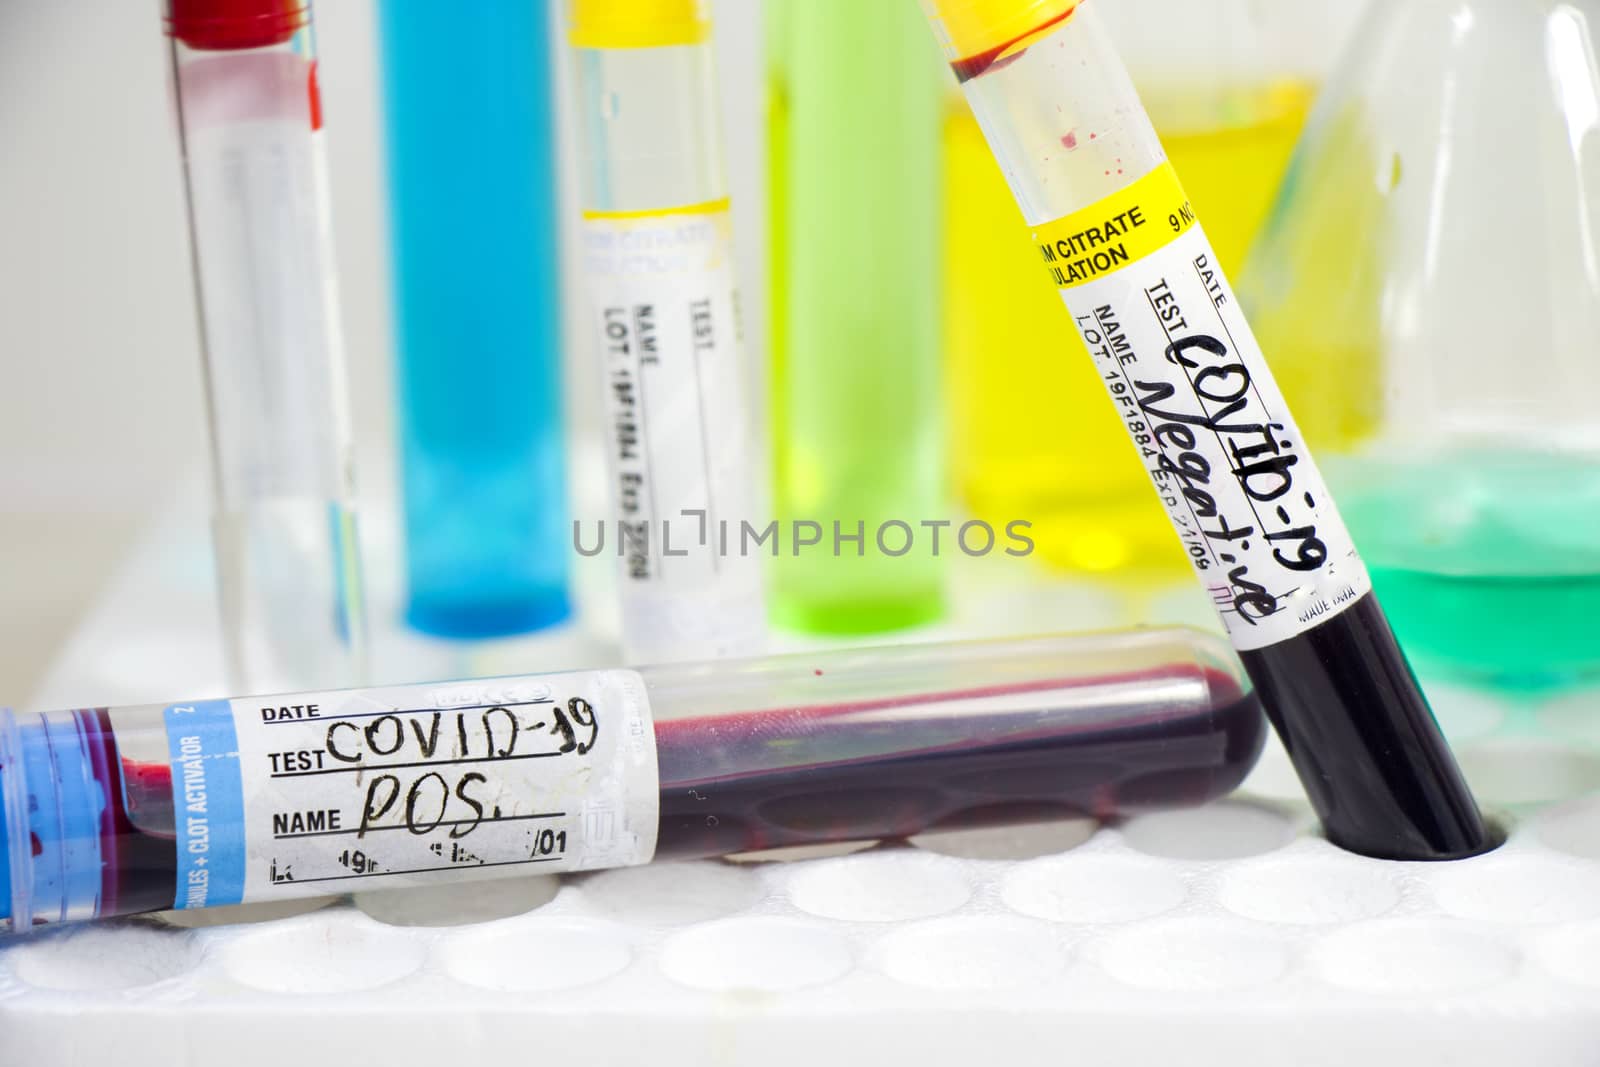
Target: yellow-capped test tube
{"type": "Point", "coordinates": [638, 23]}
{"type": "Point", "coordinates": [658, 263]}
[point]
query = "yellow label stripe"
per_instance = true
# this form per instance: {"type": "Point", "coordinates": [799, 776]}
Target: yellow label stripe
{"type": "Point", "coordinates": [637, 23]}
{"type": "Point", "coordinates": [708, 207]}
{"type": "Point", "coordinates": [1118, 230]}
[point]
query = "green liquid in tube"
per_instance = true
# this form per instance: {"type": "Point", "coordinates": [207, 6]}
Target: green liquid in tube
{"type": "Point", "coordinates": [856, 380]}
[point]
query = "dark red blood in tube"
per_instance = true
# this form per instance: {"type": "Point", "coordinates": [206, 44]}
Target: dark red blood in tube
{"type": "Point", "coordinates": [232, 25]}
{"type": "Point", "coordinates": [1001, 55]}
{"type": "Point", "coordinates": [1068, 768]}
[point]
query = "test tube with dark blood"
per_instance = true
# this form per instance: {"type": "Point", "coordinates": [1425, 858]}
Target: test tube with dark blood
{"type": "Point", "coordinates": [207, 803]}
{"type": "Point", "coordinates": [1117, 236]}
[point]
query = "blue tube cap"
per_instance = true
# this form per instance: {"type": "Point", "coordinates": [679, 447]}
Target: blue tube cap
{"type": "Point", "coordinates": [13, 800]}
{"type": "Point", "coordinates": [52, 801]}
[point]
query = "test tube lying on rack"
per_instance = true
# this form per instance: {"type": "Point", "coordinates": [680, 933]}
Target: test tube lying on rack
{"type": "Point", "coordinates": [114, 811]}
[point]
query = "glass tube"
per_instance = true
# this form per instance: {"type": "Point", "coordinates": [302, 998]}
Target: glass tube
{"type": "Point", "coordinates": [1030, 435]}
{"type": "Point", "coordinates": [474, 237]}
{"type": "Point", "coordinates": [287, 554]}
{"type": "Point", "coordinates": [658, 255]}
{"type": "Point", "coordinates": [1116, 234]}
{"type": "Point", "coordinates": [96, 805]}
{"type": "Point", "coordinates": [856, 381]}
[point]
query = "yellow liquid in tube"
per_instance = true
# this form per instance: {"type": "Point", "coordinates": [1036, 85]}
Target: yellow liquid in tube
{"type": "Point", "coordinates": [1034, 437]}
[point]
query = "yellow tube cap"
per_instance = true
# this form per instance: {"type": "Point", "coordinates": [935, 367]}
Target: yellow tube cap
{"type": "Point", "coordinates": [976, 27]}
{"type": "Point", "coordinates": [637, 23]}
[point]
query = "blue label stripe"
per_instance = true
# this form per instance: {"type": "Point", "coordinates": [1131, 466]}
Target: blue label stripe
{"type": "Point", "coordinates": [207, 803]}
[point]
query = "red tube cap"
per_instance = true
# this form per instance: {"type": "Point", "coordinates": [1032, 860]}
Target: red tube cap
{"type": "Point", "coordinates": [232, 25]}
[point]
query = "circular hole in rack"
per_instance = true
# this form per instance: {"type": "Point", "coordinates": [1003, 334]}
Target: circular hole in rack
{"type": "Point", "coordinates": [1229, 829]}
{"type": "Point", "coordinates": [102, 959]}
{"type": "Point", "coordinates": [972, 953]}
{"type": "Point", "coordinates": [670, 894]}
{"type": "Point", "coordinates": [1308, 890]}
{"type": "Point", "coordinates": [337, 952]}
{"type": "Point", "coordinates": [539, 955]}
{"type": "Point", "coordinates": [1518, 888]}
{"type": "Point", "coordinates": [1022, 842]}
{"type": "Point", "coordinates": [1194, 955]}
{"type": "Point", "coordinates": [1394, 956]}
{"type": "Point", "coordinates": [1529, 771]}
{"type": "Point", "coordinates": [1093, 889]}
{"type": "Point", "coordinates": [762, 955]}
{"type": "Point", "coordinates": [889, 886]}
{"type": "Point", "coordinates": [1572, 828]}
{"type": "Point", "coordinates": [460, 904]}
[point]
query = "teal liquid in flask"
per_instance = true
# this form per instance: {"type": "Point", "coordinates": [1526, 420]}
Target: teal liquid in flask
{"type": "Point", "coordinates": [474, 236]}
{"type": "Point", "coordinates": [1461, 260]}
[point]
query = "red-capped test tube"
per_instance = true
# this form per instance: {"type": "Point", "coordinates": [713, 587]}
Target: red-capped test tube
{"type": "Point", "coordinates": [245, 77]}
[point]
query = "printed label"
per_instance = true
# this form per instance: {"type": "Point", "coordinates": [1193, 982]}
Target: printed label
{"type": "Point", "coordinates": [662, 288]}
{"type": "Point", "coordinates": [411, 785]}
{"type": "Point", "coordinates": [207, 803]}
{"type": "Point", "coordinates": [1185, 372]}
{"type": "Point", "coordinates": [1125, 227]}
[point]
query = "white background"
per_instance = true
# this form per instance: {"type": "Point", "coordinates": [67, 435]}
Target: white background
{"type": "Point", "coordinates": [101, 409]}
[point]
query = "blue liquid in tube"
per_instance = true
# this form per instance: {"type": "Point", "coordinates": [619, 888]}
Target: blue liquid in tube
{"type": "Point", "coordinates": [474, 236]}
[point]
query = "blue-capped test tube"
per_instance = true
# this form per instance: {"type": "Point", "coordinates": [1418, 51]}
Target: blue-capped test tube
{"type": "Point", "coordinates": [474, 237]}
{"type": "Point", "coordinates": [288, 562]}
{"type": "Point", "coordinates": [113, 811]}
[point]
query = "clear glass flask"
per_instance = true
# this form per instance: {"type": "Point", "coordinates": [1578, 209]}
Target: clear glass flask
{"type": "Point", "coordinates": [475, 223]}
{"type": "Point", "coordinates": [855, 384]}
{"type": "Point", "coordinates": [1030, 436]}
{"type": "Point", "coordinates": [287, 551]}
{"type": "Point", "coordinates": [1440, 224]}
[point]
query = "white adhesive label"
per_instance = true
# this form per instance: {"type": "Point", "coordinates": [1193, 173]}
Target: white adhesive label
{"type": "Point", "coordinates": [264, 258]}
{"type": "Point", "coordinates": [665, 311]}
{"type": "Point", "coordinates": [1194, 392]}
{"type": "Point", "coordinates": [411, 785]}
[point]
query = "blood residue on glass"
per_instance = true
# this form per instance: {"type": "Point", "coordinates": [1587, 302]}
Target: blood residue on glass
{"type": "Point", "coordinates": [1002, 55]}
{"type": "Point", "coordinates": [139, 863]}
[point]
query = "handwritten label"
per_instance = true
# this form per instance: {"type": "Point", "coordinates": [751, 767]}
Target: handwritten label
{"type": "Point", "coordinates": [1218, 441]}
{"type": "Point", "coordinates": [414, 785]}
